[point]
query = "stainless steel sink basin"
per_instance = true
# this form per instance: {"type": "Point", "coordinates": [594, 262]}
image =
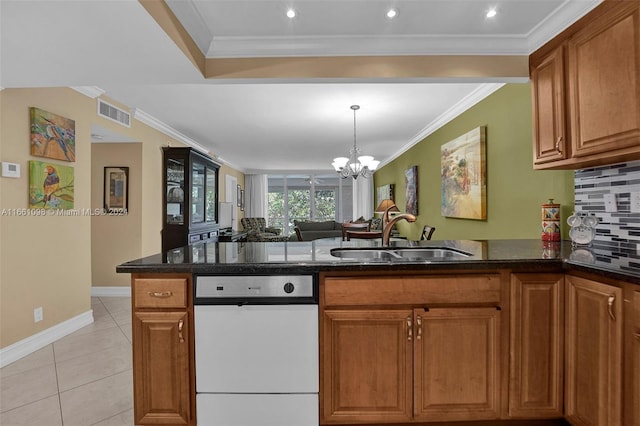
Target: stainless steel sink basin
{"type": "Point", "coordinates": [431, 253]}
{"type": "Point", "coordinates": [400, 254]}
{"type": "Point", "coordinates": [373, 253]}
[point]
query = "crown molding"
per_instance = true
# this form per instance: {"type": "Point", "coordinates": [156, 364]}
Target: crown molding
{"type": "Point", "coordinates": [558, 21]}
{"type": "Point", "coordinates": [90, 91]}
{"type": "Point", "coordinates": [153, 122]}
{"type": "Point", "coordinates": [467, 102]}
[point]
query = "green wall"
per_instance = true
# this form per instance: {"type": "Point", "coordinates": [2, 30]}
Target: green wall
{"type": "Point", "coordinates": [514, 190]}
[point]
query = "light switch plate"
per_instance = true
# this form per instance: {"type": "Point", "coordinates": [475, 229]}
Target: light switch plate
{"type": "Point", "coordinates": [11, 170]}
{"type": "Point", "coordinates": [610, 203]}
{"type": "Point", "coordinates": [635, 202]}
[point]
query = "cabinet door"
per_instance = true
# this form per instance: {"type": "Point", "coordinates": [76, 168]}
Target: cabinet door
{"type": "Point", "coordinates": [457, 364]}
{"type": "Point", "coordinates": [198, 173]}
{"type": "Point", "coordinates": [604, 83]}
{"type": "Point", "coordinates": [633, 400]}
{"type": "Point", "coordinates": [367, 368]}
{"type": "Point", "coordinates": [537, 346]}
{"type": "Point", "coordinates": [548, 92]}
{"type": "Point", "coordinates": [161, 368]}
{"type": "Point", "coordinates": [594, 353]}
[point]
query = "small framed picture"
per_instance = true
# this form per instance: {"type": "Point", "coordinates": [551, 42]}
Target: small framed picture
{"type": "Point", "coordinates": [242, 200]}
{"type": "Point", "coordinates": [239, 196]}
{"type": "Point", "coordinates": [116, 189]}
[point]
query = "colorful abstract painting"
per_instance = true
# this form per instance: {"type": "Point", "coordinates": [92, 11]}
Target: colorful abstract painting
{"type": "Point", "coordinates": [411, 184]}
{"type": "Point", "coordinates": [52, 136]}
{"type": "Point", "coordinates": [50, 186]}
{"type": "Point", "coordinates": [464, 178]}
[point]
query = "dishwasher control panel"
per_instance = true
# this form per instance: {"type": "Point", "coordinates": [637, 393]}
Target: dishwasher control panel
{"type": "Point", "coordinates": [255, 289]}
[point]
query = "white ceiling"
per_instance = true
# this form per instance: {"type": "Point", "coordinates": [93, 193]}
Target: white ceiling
{"type": "Point", "coordinates": [261, 125]}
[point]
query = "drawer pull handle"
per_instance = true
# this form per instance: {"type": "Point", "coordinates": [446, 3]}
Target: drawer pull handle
{"type": "Point", "coordinates": [180, 326]}
{"type": "Point", "coordinates": [160, 293]}
{"type": "Point", "coordinates": [409, 329]}
{"type": "Point", "coordinates": [419, 322]}
{"type": "Point", "coordinates": [636, 335]}
{"type": "Point", "coordinates": [610, 302]}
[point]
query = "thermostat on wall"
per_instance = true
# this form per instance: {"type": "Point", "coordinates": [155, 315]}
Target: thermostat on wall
{"type": "Point", "coordinates": [10, 170]}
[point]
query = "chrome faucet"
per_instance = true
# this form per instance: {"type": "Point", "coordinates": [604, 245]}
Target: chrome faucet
{"type": "Point", "coordinates": [388, 224]}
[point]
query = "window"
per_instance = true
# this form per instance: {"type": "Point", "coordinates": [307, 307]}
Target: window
{"type": "Point", "coordinates": [308, 197]}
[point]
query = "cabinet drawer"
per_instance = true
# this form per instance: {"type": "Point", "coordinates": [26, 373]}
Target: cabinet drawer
{"type": "Point", "coordinates": [412, 290]}
{"type": "Point", "coordinates": [160, 293]}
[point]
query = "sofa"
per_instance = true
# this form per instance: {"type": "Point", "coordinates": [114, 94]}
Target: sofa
{"type": "Point", "coordinates": [309, 230]}
{"type": "Point", "coordinates": [257, 230]}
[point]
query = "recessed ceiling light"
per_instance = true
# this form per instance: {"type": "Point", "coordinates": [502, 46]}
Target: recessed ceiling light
{"type": "Point", "coordinates": [291, 13]}
{"type": "Point", "coordinates": [392, 13]}
{"type": "Point", "coordinates": [491, 13]}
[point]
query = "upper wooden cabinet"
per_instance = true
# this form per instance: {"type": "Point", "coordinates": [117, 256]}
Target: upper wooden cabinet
{"type": "Point", "coordinates": [549, 132]}
{"type": "Point", "coordinates": [586, 91]}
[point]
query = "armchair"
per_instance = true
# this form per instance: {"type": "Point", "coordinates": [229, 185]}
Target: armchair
{"type": "Point", "coordinates": [257, 230]}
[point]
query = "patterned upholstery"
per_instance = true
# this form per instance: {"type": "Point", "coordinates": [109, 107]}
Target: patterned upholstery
{"type": "Point", "coordinates": [257, 230]}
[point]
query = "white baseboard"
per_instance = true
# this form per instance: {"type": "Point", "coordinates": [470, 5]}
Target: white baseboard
{"type": "Point", "coordinates": [39, 340]}
{"type": "Point", "coordinates": [106, 291]}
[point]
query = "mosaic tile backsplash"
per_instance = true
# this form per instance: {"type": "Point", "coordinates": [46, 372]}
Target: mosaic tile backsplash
{"type": "Point", "coordinates": [619, 231]}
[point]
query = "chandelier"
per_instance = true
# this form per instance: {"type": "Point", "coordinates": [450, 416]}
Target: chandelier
{"type": "Point", "coordinates": [356, 165]}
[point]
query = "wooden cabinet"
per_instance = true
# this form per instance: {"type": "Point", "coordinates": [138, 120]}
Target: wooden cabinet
{"type": "Point", "coordinates": [632, 356]}
{"type": "Point", "coordinates": [190, 198]}
{"type": "Point", "coordinates": [367, 357]}
{"type": "Point", "coordinates": [456, 364]}
{"type": "Point", "coordinates": [410, 348]}
{"type": "Point", "coordinates": [594, 325]}
{"type": "Point", "coordinates": [586, 91]}
{"type": "Point", "coordinates": [548, 96]}
{"type": "Point", "coordinates": [536, 386]}
{"type": "Point", "coordinates": [162, 350]}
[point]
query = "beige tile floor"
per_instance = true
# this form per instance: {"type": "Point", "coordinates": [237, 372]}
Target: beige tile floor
{"type": "Point", "coordinates": [83, 379]}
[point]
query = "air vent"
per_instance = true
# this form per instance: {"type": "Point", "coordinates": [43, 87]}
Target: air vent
{"type": "Point", "coordinates": [113, 113]}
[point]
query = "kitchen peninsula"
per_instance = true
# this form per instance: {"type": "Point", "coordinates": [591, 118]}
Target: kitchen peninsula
{"type": "Point", "coordinates": [516, 330]}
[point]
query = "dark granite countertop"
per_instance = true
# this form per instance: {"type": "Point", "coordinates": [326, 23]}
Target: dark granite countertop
{"type": "Point", "coordinates": [314, 256]}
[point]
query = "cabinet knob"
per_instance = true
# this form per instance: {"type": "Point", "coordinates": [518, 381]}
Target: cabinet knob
{"type": "Point", "coordinates": [180, 326]}
{"type": "Point", "coordinates": [558, 144]}
{"type": "Point", "coordinates": [610, 301]}
{"type": "Point", "coordinates": [636, 335]}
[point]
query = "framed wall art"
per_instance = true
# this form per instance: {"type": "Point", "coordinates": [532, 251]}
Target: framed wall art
{"type": "Point", "coordinates": [411, 185]}
{"type": "Point", "coordinates": [51, 186]}
{"type": "Point", "coordinates": [242, 200]}
{"type": "Point", "coordinates": [52, 136]}
{"type": "Point", "coordinates": [239, 196]}
{"type": "Point", "coordinates": [464, 177]}
{"type": "Point", "coordinates": [116, 189]}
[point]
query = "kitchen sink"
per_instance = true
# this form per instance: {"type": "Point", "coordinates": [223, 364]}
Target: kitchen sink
{"type": "Point", "coordinates": [401, 254]}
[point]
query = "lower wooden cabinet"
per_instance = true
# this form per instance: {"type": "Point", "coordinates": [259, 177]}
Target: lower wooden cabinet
{"type": "Point", "coordinates": [161, 368]}
{"type": "Point", "coordinates": [386, 366]}
{"type": "Point", "coordinates": [162, 343]}
{"type": "Point", "coordinates": [536, 385]}
{"type": "Point", "coordinates": [632, 365]}
{"type": "Point", "coordinates": [367, 374]}
{"type": "Point", "coordinates": [594, 326]}
{"type": "Point", "coordinates": [456, 364]}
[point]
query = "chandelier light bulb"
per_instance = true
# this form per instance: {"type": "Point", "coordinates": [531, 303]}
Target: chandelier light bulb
{"type": "Point", "coordinates": [291, 13]}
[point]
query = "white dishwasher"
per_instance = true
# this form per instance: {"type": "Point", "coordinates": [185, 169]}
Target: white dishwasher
{"type": "Point", "coordinates": [256, 350]}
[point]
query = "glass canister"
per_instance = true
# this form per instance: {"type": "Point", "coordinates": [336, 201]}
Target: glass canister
{"type": "Point", "coordinates": [550, 221]}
